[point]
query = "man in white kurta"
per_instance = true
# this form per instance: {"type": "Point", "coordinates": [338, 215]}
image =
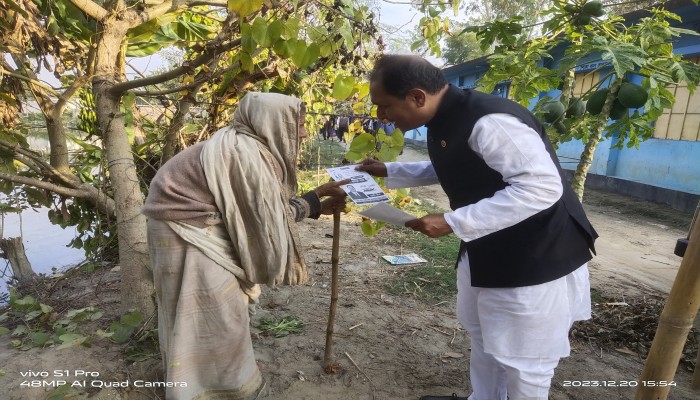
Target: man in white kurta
{"type": "Point", "coordinates": [502, 180]}
{"type": "Point", "coordinates": [520, 329]}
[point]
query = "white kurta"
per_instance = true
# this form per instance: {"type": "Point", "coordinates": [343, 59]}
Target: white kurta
{"type": "Point", "coordinates": [530, 321]}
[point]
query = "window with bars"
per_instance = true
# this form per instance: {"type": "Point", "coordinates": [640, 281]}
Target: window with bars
{"type": "Point", "coordinates": [585, 81]}
{"type": "Point", "coordinates": [682, 121]}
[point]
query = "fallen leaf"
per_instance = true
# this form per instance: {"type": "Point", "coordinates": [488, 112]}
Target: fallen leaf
{"type": "Point", "coordinates": [453, 355]}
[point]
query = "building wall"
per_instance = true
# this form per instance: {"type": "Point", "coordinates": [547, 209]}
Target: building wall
{"type": "Point", "coordinates": [665, 168]}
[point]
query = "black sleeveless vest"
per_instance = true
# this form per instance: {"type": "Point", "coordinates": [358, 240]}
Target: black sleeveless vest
{"type": "Point", "coordinates": [542, 248]}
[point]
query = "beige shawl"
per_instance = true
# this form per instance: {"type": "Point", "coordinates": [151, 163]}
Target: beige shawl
{"type": "Point", "coordinates": [251, 171]}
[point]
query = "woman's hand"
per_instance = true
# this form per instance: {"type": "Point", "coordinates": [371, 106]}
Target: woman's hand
{"type": "Point", "coordinates": [331, 189]}
{"type": "Point", "coordinates": [332, 204]}
{"type": "Point", "coordinates": [372, 167]}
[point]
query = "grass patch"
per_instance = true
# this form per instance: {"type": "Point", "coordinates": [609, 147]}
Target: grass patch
{"type": "Point", "coordinates": [434, 281]}
{"type": "Point", "coordinates": [319, 153]}
{"type": "Point", "coordinates": [597, 297]}
{"type": "Point", "coordinates": [315, 157]}
{"type": "Point", "coordinates": [281, 327]}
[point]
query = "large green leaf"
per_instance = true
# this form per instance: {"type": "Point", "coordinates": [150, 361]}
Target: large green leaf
{"type": "Point", "coordinates": [70, 340]}
{"type": "Point", "coordinates": [260, 32]}
{"type": "Point", "coordinates": [342, 87]}
{"type": "Point", "coordinates": [190, 31]}
{"type": "Point", "coordinates": [244, 7]}
{"type": "Point", "coordinates": [145, 31]}
{"type": "Point", "coordinates": [624, 57]}
{"type": "Point", "coordinates": [303, 55]}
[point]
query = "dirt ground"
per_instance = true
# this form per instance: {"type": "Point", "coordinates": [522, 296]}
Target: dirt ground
{"type": "Point", "coordinates": [397, 347]}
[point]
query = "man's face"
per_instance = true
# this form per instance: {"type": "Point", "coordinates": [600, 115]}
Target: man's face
{"type": "Point", "coordinates": [406, 113]}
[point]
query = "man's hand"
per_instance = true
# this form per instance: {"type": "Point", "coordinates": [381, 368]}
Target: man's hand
{"type": "Point", "coordinates": [372, 167]}
{"type": "Point", "coordinates": [332, 204]}
{"type": "Point", "coordinates": [331, 189]}
{"type": "Point", "coordinates": [433, 225]}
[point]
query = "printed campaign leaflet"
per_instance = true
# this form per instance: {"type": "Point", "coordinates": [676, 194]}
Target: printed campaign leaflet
{"type": "Point", "coordinates": [362, 189]}
{"type": "Point", "coordinates": [404, 259]}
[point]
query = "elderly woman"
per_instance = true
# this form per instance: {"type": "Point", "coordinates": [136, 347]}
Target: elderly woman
{"type": "Point", "coordinates": [222, 217]}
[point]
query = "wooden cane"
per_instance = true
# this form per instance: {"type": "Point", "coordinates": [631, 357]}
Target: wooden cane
{"type": "Point", "coordinates": [328, 355]}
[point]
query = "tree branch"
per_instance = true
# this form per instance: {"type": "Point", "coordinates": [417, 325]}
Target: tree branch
{"type": "Point", "coordinates": [156, 11]}
{"type": "Point", "coordinates": [31, 81]}
{"type": "Point", "coordinates": [91, 8]}
{"type": "Point", "coordinates": [205, 57]}
{"type": "Point", "coordinates": [213, 3]}
{"type": "Point", "coordinates": [42, 185]}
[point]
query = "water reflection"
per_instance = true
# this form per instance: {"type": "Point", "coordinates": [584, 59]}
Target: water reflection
{"type": "Point", "coordinates": [44, 243]}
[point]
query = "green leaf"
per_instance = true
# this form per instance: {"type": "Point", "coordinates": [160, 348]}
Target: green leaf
{"type": "Point", "coordinates": [4, 331]}
{"type": "Point", "coordinates": [291, 29]}
{"type": "Point", "coordinates": [244, 7]}
{"type": "Point", "coordinates": [388, 154]}
{"type": "Point", "coordinates": [260, 33]}
{"type": "Point", "coordinates": [247, 63]}
{"type": "Point", "coordinates": [298, 53]}
{"type": "Point", "coordinates": [32, 314]}
{"type": "Point", "coordinates": [275, 30]}
{"type": "Point", "coordinates": [26, 303]}
{"type": "Point", "coordinates": [145, 31]}
{"type": "Point", "coordinates": [189, 31]}
{"type": "Point", "coordinates": [326, 49]}
{"type": "Point", "coordinates": [284, 48]}
{"type": "Point", "coordinates": [370, 228]}
{"type": "Point", "coordinates": [60, 393]}
{"type": "Point", "coordinates": [132, 319]}
{"type": "Point", "coordinates": [363, 143]}
{"type": "Point", "coordinates": [20, 330]}
{"type": "Point", "coordinates": [70, 340]}
{"type": "Point", "coordinates": [121, 333]}
{"type": "Point", "coordinates": [39, 338]}
{"type": "Point", "coordinates": [143, 49]}
{"type": "Point", "coordinates": [625, 57]}
{"type": "Point", "coordinates": [129, 99]}
{"type": "Point", "coordinates": [342, 87]}
{"type": "Point", "coordinates": [354, 156]}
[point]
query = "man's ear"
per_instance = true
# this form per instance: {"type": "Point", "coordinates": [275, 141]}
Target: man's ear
{"type": "Point", "coordinates": [417, 96]}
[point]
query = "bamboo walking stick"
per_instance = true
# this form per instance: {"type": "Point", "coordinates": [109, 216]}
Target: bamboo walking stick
{"type": "Point", "coordinates": [328, 362]}
{"type": "Point", "coordinates": [674, 324]}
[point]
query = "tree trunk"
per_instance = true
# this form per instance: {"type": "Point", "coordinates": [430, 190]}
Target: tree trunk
{"type": "Point", "coordinates": [183, 110]}
{"type": "Point", "coordinates": [579, 179]}
{"type": "Point", "coordinates": [136, 278]}
{"type": "Point", "coordinates": [14, 251]}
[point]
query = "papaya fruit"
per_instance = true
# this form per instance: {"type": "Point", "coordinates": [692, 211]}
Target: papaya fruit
{"type": "Point", "coordinates": [631, 95]}
{"type": "Point", "coordinates": [596, 101]}
{"type": "Point", "coordinates": [560, 128]}
{"type": "Point", "coordinates": [576, 107]}
{"type": "Point", "coordinates": [570, 8]}
{"type": "Point", "coordinates": [618, 110]}
{"type": "Point", "coordinates": [582, 19]}
{"type": "Point", "coordinates": [553, 111]}
{"type": "Point", "coordinates": [593, 8]}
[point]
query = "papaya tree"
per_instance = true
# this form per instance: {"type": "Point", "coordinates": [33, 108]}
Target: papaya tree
{"type": "Point", "coordinates": [230, 47]}
{"type": "Point", "coordinates": [623, 50]}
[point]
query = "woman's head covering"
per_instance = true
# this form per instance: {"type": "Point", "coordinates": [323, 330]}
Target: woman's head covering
{"type": "Point", "coordinates": [273, 119]}
{"type": "Point", "coordinates": [250, 169]}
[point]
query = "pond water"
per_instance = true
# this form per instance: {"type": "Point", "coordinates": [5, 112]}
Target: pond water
{"type": "Point", "coordinates": [44, 243]}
